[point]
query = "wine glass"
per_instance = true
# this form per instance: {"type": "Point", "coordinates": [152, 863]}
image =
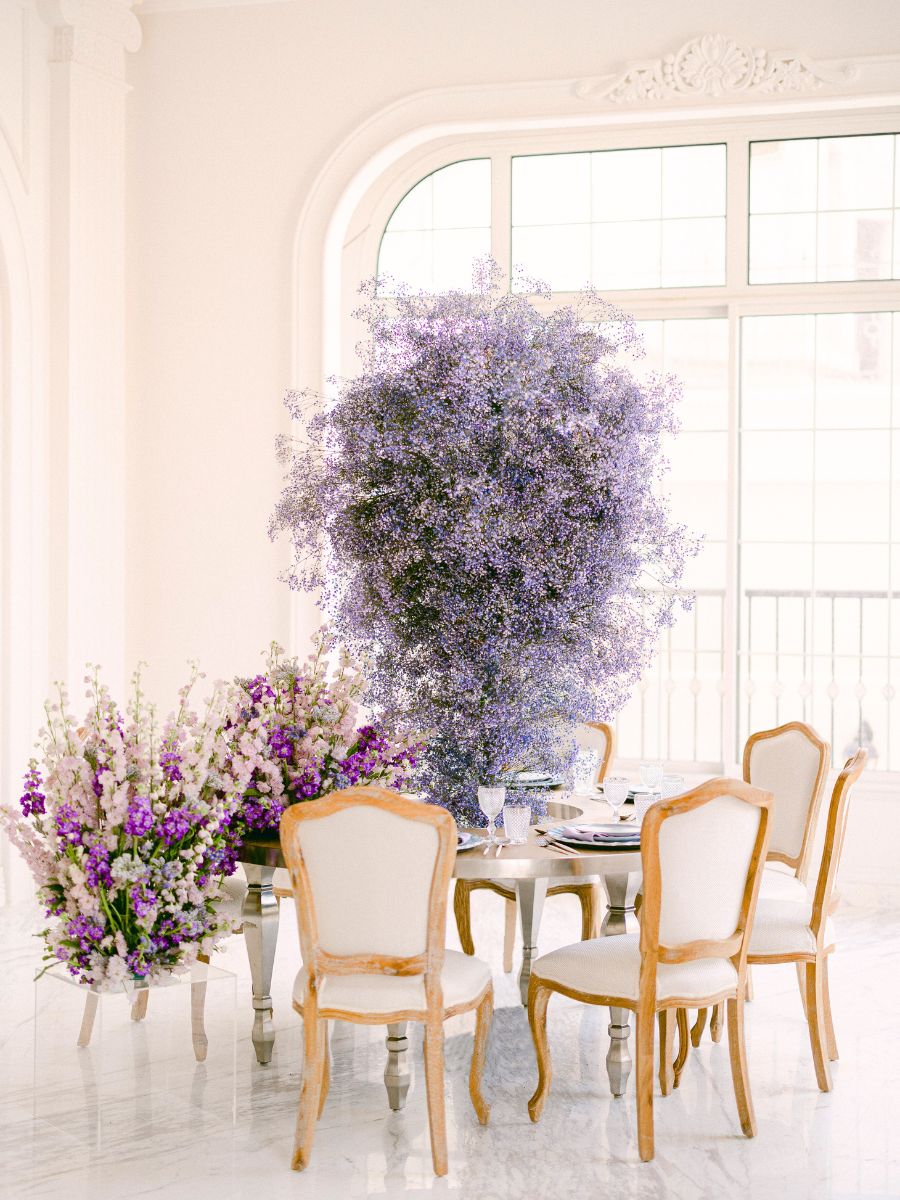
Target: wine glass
{"type": "Point", "coordinates": [490, 801]}
{"type": "Point", "coordinates": [651, 774]}
{"type": "Point", "coordinates": [615, 792]}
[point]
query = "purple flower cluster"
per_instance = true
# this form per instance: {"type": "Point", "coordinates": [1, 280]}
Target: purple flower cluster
{"type": "Point", "coordinates": [488, 492]}
{"type": "Point", "coordinates": [33, 798]}
{"type": "Point", "coordinates": [96, 867]}
{"type": "Point", "coordinates": [176, 824]}
{"type": "Point", "coordinates": [170, 763]}
{"type": "Point", "coordinates": [68, 825]}
{"type": "Point", "coordinates": [139, 818]}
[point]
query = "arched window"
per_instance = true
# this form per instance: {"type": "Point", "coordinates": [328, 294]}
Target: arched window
{"type": "Point", "coordinates": [762, 265]}
{"type": "Point", "coordinates": [438, 229]}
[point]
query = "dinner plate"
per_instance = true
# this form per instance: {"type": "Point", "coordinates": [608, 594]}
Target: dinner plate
{"type": "Point", "coordinates": [531, 779]}
{"type": "Point", "coordinates": [605, 835]}
{"type": "Point", "coordinates": [468, 841]}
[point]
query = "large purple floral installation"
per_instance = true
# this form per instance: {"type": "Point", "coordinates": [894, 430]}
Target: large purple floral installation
{"type": "Point", "coordinates": [480, 507]}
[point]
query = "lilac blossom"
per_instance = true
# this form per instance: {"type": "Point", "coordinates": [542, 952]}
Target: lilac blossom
{"type": "Point", "coordinates": [488, 494]}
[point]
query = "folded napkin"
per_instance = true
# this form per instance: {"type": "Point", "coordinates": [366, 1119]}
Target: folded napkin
{"type": "Point", "coordinates": [591, 834]}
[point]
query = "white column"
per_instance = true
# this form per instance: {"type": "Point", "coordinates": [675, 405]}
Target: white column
{"type": "Point", "coordinates": [87, 334]}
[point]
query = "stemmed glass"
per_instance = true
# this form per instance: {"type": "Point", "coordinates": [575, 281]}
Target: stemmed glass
{"type": "Point", "coordinates": [651, 775]}
{"type": "Point", "coordinates": [615, 792]}
{"type": "Point", "coordinates": [490, 801]}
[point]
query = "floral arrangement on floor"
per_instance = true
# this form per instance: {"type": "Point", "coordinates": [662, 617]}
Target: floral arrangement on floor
{"type": "Point", "coordinates": [481, 509]}
{"type": "Point", "coordinates": [296, 728]}
{"type": "Point", "coordinates": [125, 826]}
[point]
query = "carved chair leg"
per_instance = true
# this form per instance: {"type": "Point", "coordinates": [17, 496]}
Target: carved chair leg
{"type": "Point", "coordinates": [434, 1090]}
{"type": "Point", "coordinates": [829, 1020]}
{"type": "Point", "coordinates": [326, 1067]}
{"type": "Point", "coordinates": [698, 1026]}
{"type": "Point", "coordinates": [509, 934]}
{"type": "Point", "coordinates": [198, 1005]}
{"type": "Point", "coordinates": [801, 982]}
{"type": "Point", "coordinates": [139, 1005]}
{"type": "Point", "coordinates": [717, 1024]}
{"type": "Point", "coordinates": [588, 910]}
{"type": "Point", "coordinates": [308, 1109]}
{"type": "Point", "coordinates": [815, 1020]}
{"type": "Point", "coordinates": [644, 1071]}
{"type": "Point", "coordinates": [91, 1000]}
{"type": "Point", "coordinates": [666, 1018]}
{"type": "Point", "coordinates": [684, 1043]}
{"type": "Point", "coordinates": [479, 1051]}
{"type": "Point", "coordinates": [538, 998]}
{"type": "Point", "coordinates": [738, 1053]}
{"type": "Point", "coordinates": [462, 911]}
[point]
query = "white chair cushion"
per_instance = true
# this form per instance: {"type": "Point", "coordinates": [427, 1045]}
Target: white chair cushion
{"type": "Point", "coordinates": [782, 927]}
{"type": "Point", "coordinates": [234, 889]}
{"type": "Point", "coordinates": [610, 966]}
{"type": "Point", "coordinates": [462, 979]}
{"type": "Point", "coordinates": [778, 885]}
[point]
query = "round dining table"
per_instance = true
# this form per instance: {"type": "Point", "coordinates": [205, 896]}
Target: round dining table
{"type": "Point", "coordinates": [531, 868]}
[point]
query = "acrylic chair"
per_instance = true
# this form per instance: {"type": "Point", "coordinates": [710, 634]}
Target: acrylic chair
{"type": "Point", "coordinates": [230, 904]}
{"type": "Point", "coordinates": [702, 855]}
{"type": "Point", "coordinates": [593, 735]}
{"type": "Point", "coordinates": [802, 932]}
{"type": "Point", "coordinates": [791, 762]}
{"type": "Point", "coordinates": [373, 951]}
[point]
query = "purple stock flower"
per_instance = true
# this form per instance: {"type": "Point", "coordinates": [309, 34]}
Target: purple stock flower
{"type": "Point", "coordinates": [33, 799]}
{"type": "Point", "coordinates": [488, 492]}
{"type": "Point", "coordinates": [139, 818]}
{"type": "Point", "coordinates": [143, 901]}
{"type": "Point", "coordinates": [176, 823]}
{"type": "Point", "coordinates": [307, 783]}
{"type": "Point", "coordinates": [96, 867]}
{"type": "Point", "coordinates": [170, 763]}
{"type": "Point", "coordinates": [68, 825]}
{"type": "Point", "coordinates": [280, 742]}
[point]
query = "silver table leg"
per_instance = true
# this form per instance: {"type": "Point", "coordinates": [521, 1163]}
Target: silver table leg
{"type": "Point", "coordinates": [621, 891]}
{"type": "Point", "coordinates": [532, 894]}
{"type": "Point", "coordinates": [396, 1072]}
{"type": "Point", "coordinates": [260, 920]}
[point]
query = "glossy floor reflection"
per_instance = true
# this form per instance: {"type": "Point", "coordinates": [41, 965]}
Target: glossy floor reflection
{"type": "Point", "coordinates": [809, 1145]}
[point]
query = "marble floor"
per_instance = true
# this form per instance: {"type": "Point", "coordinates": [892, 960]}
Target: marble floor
{"type": "Point", "coordinates": [809, 1145]}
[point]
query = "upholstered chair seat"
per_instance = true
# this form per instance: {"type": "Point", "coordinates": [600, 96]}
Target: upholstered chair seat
{"type": "Point", "coordinates": [778, 885]}
{"type": "Point", "coordinates": [463, 980]}
{"type": "Point", "coordinates": [785, 927]}
{"type": "Point", "coordinates": [612, 966]}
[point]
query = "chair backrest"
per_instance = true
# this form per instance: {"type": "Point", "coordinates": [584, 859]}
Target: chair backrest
{"type": "Point", "coordinates": [791, 762]}
{"type": "Point", "coordinates": [370, 871]}
{"type": "Point", "coordinates": [703, 855]}
{"type": "Point", "coordinates": [597, 735]}
{"type": "Point", "coordinates": [835, 828]}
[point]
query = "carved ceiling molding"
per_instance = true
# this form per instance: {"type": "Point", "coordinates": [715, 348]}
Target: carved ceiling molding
{"type": "Point", "coordinates": [93, 33]}
{"type": "Point", "coordinates": [713, 66]}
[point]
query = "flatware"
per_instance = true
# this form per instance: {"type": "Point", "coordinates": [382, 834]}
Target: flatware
{"type": "Point", "coordinates": [549, 844]}
{"type": "Point", "coordinates": [488, 848]}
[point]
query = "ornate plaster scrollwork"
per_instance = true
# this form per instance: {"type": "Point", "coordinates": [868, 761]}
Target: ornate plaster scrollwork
{"type": "Point", "coordinates": [93, 33]}
{"type": "Point", "coordinates": [711, 66]}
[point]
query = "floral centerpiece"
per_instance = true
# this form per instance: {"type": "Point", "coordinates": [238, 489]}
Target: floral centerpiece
{"type": "Point", "coordinates": [482, 509]}
{"type": "Point", "coordinates": [124, 824]}
{"type": "Point", "coordinates": [297, 729]}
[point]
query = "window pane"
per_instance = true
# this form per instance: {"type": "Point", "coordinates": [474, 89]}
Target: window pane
{"type": "Point", "coordinates": [655, 217]}
{"type": "Point", "coordinates": [551, 189]}
{"type": "Point", "coordinates": [626, 185]}
{"type": "Point", "coordinates": [626, 255]}
{"type": "Point", "coordinates": [856, 172]}
{"type": "Point", "coordinates": [783, 249]}
{"type": "Point", "coordinates": [823, 209]}
{"type": "Point", "coordinates": [777, 487]}
{"type": "Point", "coordinates": [853, 370]}
{"type": "Point", "coordinates": [783, 176]}
{"type": "Point", "coordinates": [693, 181]}
{"type": "Point", "coordinates": [693, 252]}
{"type": "Point", "coordinates": [560, 255]}
{"type": "Point", "coordinates": [438, 229]}
{"type": "Point", "coordinates": [462, 195]}
{"type": "Point", "coordinates": [697, 352]}
{"type": "Point", "coordinates": [852, 489]}
{"type": "Point", "coordinates": [778, 372]}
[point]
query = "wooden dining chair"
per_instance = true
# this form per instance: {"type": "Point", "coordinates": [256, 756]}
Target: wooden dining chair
{"type": "Point", "coordinates": [702, 855]}
{"type": "Point", "coordinates": [791, 762]}
{"type": "Point", "coordinates": [802, 931]}
{"type": "Point", "coordinates": [592, 735]}
{"type": "Point", "coordinates": [373, 950]}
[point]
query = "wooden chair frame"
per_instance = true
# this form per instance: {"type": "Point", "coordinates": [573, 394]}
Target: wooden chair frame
{"type": "Point", "coordinates": [319, 963]}
{"type": "Point", "coordinates": [646, 1007]}
{"type": "Point", "coordinates": [798, 862]}
{"type": "Point", "coordinates": [588, 893]}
